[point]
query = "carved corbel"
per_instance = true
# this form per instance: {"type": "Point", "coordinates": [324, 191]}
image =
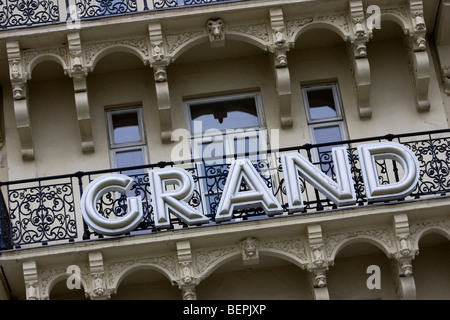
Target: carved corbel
{"type": "Point", "coordinates": [18, 79]}
{"type": "Point", "coordinates": [78, 72]}
{"type": "Point", "coordinates": [406, 288]}
{"type": "Point", "coordinates": [279, 50]}
{"type": "Point", "coordinates": [446, 79]}
{"type": "Point", "coordinates": [98, 289]}
{"type": "Point", "coordinates": [30, 276]}
{"type": "Point", "coordinates": [361, 66]}
{"type": "Point", "coordinates": [215, 29]}
{"type": "Point", "coordinates": [250, 251]}
{"type": "Point", "coordinates": [419, 60]}
{"type": "Point", "coordinates": [159, 62]}
{"type": "Point", "coordinates": [318, 265]}
{"type": "Point", "coordinates": [187, 281]}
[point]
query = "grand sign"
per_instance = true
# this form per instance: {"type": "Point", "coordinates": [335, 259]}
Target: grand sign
{"type": "Point", "coordinates": [341, 192]}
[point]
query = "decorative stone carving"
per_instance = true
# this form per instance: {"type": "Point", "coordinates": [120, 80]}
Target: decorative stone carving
{"type": "Point", "coordinates": [18, 79]}
{"type": "Point", "coordinates": [282, 76]}
{"type": "Point", "coordinates": [97, 277]}
{"type": "Point", "coordinates": [215, 29]}
{"type": "Point", "coordinates": [159, 61]}
{"type": "Point", "coordinates": [360, 62]}
{"type": "Point", "coordinates": [418, 56]}
{"type": "Point", "coordinates": [189, 293]}
{"type": "Point", "coordinates": [94, 50]}
{"type": "Point", "coordinates": [78, 72]}
{"type": "Point", "coordinates": [446, 79]}
{"type": "Point", "coordinates": [250, 251]}
{"type": "Point", "coordinates": [30, 275]}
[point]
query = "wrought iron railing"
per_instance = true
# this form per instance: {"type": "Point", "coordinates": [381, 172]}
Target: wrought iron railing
{"type": "Point", "coordinates": [30, 13]}
{"type": "Point", "coordinates": [43, 210]}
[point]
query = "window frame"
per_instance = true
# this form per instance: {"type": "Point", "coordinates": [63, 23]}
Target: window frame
{"type": "Point", "coordinates": [198, 139]}
{"type": "Point", "coordinates": [139, 145]}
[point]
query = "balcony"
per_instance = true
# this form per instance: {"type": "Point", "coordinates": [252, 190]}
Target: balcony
{"type": "Point", "coordinates": [16, 14]}
{"type": "Point", "coordinates": [41, 211]}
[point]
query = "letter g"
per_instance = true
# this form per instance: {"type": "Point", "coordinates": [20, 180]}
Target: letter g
{"type": "Point", "coordinates": [95, 190]}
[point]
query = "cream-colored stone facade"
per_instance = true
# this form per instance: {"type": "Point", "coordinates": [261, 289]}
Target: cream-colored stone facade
{"type": "Point", "coordinates": [59, 80]}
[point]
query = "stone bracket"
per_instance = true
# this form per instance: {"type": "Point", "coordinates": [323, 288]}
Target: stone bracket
{"type": "Point", "coordinates": [187, 281]}
{"type": "Point", "coordinates": [159, 63]}
{"type": "Point", "coordinates": [97, 277]}
{"type": "Point", "coordinates": [21, 109]}
{"type": "Point", "coordinates": [361, 66]}
{"type": "Point", "coordinates": [406, 288]}
{"type": "Point", "coordinates": [419, 60]}
{"type": "Point", "coordinates": [318, 265]}
{"type": "Point", "coordinates": [30, 275]}
{"type": "Point", "coordinates": [78, 72]}
{"type": "Point", "coordinates": [279, 49]}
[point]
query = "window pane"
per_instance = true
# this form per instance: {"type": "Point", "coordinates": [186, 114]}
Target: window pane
{"type": "Point", "coordinates": [126, 127]}
{"type": "Point", "coordinates": [232, 114]}
{"type": "Point", "coordinates": [130, 158]}
{"type": "Point", "coordinates": [324, 135]}
{"type": "Point", "coordinates": [321, 104]}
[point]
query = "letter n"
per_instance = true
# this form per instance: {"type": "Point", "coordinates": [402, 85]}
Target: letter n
{"type": "Point", "coordinates": [173, 201]}
{"type": "Point", "coordinates": [341, 193]}
{"type": "Point", "coordinates": [258, 195]}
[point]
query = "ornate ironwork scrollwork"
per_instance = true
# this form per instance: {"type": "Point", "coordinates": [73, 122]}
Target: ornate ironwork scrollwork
{"type": "Point", "coordinates": [17, 13]}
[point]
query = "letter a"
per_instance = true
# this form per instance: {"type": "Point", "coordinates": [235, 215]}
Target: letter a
{"type": "Point", "coordinates": [258, 195]}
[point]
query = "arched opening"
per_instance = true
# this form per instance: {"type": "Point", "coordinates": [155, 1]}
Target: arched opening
{"type": "Point", "coordinates": [271, 279]}
{"type": "Point", "coordinates": [361, 271]}
{"type": "Point", "coordinates": [431, 268]}
{"type": "Point", "coordinates": [392, 89]}
{"type": "Point", "coordinates": [60, 291]}
{"type": "Point", "coordinates": [53, 117]}
{"type": "Point", "coordinates": [146, 284]}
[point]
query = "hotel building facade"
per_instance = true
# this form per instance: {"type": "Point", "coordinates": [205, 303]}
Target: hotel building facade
{"type": "Point", "coordinates": [214, 149]}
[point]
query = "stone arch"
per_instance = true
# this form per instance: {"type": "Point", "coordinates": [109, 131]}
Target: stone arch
{"type": "Point", "coordinates": [387, 250]}
{"type": "Point", "coordinates": [428, 230]}
{"type": "Point", "coordinates": [332, 23]}
{"type": "Point", "coordinates": [119, 277]}
{"type": "Point", "coordinates": [57, 277]}
{"type": "Point", "coordinates": [178, 44]}
{"type": "Point", "coordinates": [397, 18]}
{"type": "Point", "coordinates": [37, 59]}
{"type": "Point", "coordinates": [94, 55]}
{"type": "Point", "coordinates": [298, 260]}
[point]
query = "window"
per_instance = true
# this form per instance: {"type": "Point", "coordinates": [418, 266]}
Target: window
{"type": "Point", "coordinates": [325, 119]}
{"type": "Point", "coordinates": [227, 125]}
{"type": "Point", "coordinates": [220, 126]}
{"type": "Point", "coordinates": [127, 139]}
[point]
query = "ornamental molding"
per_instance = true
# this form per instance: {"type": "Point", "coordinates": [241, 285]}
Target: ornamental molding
{"type": "Point", "coordinates": [32, 57]}
{"type": "Point", "coordinates": [381, 237]}
{"type": "Point", "coordinates": [206, 260]}
{"type": "Point", "coordinates": [49, 277]}
{"type": "Point", "coordinates": [419, 229]}
{"type": "Point", "coordinates": [94, 50]}
{"type": "Point", "coordinates": [117, 270]}
{"type": "Point", "coordinates": [337, 22]}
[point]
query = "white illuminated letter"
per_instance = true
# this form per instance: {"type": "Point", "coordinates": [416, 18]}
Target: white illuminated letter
{"type": "Point", "coordinates": [341, 193]}
{"type": "Point", "coordinates": [175, 200]}
{"type": "Point", "coordinates": [92, 194]}
{"type": "Point", "coordinates": [369, 154]}
{"type": "Point", "coordinates": [257, 195]}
